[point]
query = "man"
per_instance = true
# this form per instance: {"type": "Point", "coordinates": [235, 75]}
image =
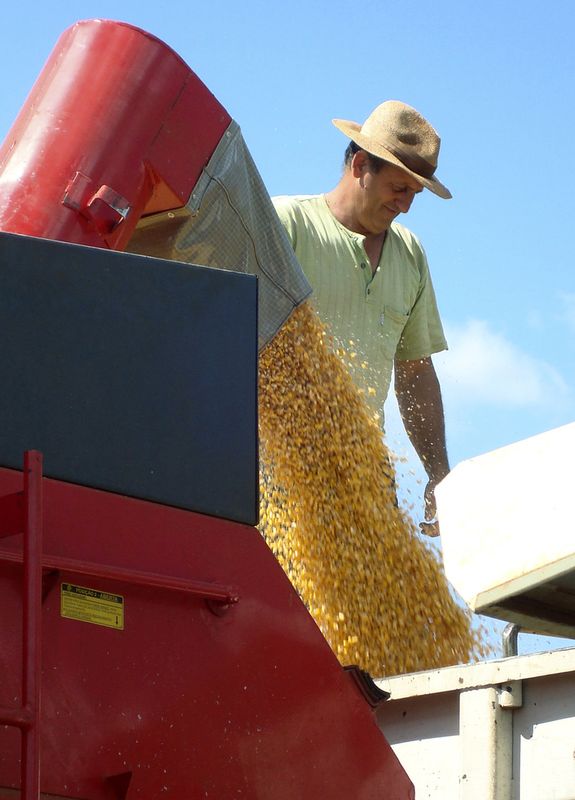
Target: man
{"type": "Point", "coordinates": [370, 276]}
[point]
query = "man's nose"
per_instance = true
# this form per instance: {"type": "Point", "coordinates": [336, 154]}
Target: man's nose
{"type": "Point", "coordinates": [404, 201]}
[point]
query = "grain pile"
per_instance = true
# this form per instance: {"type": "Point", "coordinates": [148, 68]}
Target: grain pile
{"type": "Point", "coordinates": [377, 592]}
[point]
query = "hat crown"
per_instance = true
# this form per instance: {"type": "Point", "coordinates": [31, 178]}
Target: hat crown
{"type": "Point", "coordinates": [398, 134]}
{"type": "Point", "coordinates": [402, 130]}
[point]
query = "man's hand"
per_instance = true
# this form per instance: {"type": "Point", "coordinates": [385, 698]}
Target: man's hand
{"type": "Point", "coordinates": [419, 400]}
{"type": "Point", "coordinates": [430, 525]}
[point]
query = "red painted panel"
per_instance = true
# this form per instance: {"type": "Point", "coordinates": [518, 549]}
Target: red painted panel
{"type": "Point", "coordinates": [248, 701]}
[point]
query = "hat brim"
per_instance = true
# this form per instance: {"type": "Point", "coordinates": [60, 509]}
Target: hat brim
{"type": "Point", "coordinates": [353, 131]}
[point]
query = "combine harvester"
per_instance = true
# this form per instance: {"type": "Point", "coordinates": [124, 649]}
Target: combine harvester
{"type": "Point", "coordinates": [150, 644]}
{"type": "Point", "coordinates": [164, 653]}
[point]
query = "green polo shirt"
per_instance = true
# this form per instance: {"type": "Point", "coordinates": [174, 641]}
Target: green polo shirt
{"type": "Point", "coordinates": [373, 318]}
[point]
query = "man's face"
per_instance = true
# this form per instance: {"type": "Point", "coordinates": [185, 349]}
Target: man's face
{"type": "Point", "coordinates": [381, 196]}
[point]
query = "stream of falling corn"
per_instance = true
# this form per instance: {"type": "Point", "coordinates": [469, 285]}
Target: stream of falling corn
{"type": "Point", "coordinates": [376, 590]}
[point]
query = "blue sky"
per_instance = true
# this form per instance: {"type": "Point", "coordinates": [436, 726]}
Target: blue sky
{"type": "Point", "coordinates": [495, 79]}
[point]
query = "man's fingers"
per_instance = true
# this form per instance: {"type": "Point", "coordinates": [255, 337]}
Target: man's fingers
{"type": "Point", "coordinates": [430, 527]}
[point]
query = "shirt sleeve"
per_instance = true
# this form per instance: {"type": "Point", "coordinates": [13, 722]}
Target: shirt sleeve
{"type": "Point", "coordinates": [284, 206]}
{"type": "Point", "coordinates": [423, 333]}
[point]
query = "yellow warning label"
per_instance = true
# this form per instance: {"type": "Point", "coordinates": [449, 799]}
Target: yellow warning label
{"type": "Point", "coordinates": [90, 605]}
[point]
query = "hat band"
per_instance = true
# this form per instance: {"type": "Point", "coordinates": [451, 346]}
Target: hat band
{"type": "Point", "coordinates": [412, 161]}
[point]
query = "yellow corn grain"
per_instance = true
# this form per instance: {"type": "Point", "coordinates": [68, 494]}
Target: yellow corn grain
{"type": "Point", "coordinates": [328, 512]}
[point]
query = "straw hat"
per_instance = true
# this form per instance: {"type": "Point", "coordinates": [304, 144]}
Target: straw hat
{"type": "Point", "coordinates": [399, 134]}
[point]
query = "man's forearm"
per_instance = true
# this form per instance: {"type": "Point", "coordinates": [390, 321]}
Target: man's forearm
{"type": "Point", "coordinates": [421, 407]}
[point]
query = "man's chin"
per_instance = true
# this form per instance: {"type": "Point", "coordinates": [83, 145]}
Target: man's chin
{"type": "Point", "coordinates": [383, 224]}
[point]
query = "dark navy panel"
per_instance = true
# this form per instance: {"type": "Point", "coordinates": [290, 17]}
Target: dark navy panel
{"type": "Point", "coordinates": [131, 374]}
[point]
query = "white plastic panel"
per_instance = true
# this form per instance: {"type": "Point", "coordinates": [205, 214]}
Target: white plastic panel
{"type": "Point", "coordinates": [508, 532]}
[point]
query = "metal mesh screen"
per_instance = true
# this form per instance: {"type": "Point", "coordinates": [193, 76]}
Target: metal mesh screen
{"type": "Point", "coordinates": [229, 222]}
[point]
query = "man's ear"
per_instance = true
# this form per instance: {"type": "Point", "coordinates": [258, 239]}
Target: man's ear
{"type": "Point", "coordinates": [359, 163]}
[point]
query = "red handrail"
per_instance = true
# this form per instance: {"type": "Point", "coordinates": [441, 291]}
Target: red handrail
{"type": "Point", "coordinates": [27, 717]}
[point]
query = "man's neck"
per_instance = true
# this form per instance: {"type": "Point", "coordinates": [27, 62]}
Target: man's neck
{"type": "Point", "coordinates": [342, 207]}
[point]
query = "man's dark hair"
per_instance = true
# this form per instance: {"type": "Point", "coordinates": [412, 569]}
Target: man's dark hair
{"type": "Point", "coordinates": [375, 163]}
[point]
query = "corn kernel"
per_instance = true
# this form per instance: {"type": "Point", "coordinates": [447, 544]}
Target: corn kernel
{"type": "Point", "coordinates": [328, 512]}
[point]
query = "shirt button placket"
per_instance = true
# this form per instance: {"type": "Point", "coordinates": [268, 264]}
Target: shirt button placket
{"type": "Point", "coordinates": [367, 277]}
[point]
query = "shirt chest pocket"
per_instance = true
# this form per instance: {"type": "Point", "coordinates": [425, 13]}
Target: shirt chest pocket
{"type": "Point", "coordinates": [390, 328]}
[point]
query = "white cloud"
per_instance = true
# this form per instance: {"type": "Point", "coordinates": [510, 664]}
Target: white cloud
{"type": "Point", "coordinates": [483, 367]}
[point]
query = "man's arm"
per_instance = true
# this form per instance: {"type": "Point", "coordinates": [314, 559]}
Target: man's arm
{"type": "Point", "coordinates": [419, 400]}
